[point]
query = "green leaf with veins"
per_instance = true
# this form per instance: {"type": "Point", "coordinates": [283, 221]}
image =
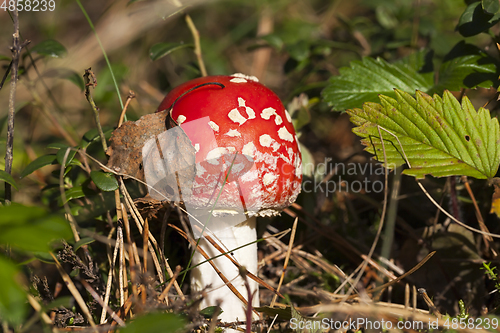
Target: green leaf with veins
{"type": "Point", "coordinates": [365, 80]}
{"type": "Point", "coordinates": [466, 66]}
{"type": "Point", "coordinates": [439, 136]}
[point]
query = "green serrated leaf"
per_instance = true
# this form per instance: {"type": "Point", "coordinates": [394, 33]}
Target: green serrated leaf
{"type": "Point", "coordinates": [364, 80]}
{"type": "Point", "coordinates": [475, 20]}
{"type": "Point", "coordinates": [50, 48]}
{"type": "Point", "coordinates": [160, 50]}
{"type": "Point", "coordinates": [38, 163]}
{"type": "Point", "coordinates": [467, 66]}
{"type": "Point", "coordinates": [155, 322]}
{"type": "Point", "coordinates": [105, 181]}
{"type": "Point", "coordinates": [490, 6]}
{"type": "Point", "coordinates": [439, 136]}
{"type": "Point", "coordinates": [12, 296]}
{"type": "Point", "coordinates": [31, 228]}
{"type": "Point", "coordinates": [4, 176]}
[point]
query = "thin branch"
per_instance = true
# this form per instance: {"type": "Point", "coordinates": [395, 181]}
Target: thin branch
{"type": "Point", "coordinates": [197, 47]}
{"type": "Point", "coordinates": [91, 81]}
{"type": "Point", "coordinates": [9, 149]}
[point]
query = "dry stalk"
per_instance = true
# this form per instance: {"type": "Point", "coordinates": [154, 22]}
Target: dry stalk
{"type": "Point", "coordinates": [109, 282]}
{"type": "Point", "coordinates": [285, 265]}
{"type": "Point", "coordinates": [9, 149]}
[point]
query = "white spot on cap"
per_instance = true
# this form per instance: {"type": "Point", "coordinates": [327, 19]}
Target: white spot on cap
{"type": "Point", "coordinates": [249, 149]}
{"type": "Point", "coordinates": [268, 112]}
{"type": "Point", "coordinates": [248, 77]}
{"type": "Point", "coordinates": [284, 134]}
{"type": "Point", "coordinates": [269, 178]}
{"type": "Point", "coordinates": [214, 155]}
{"type": "Point", "coordinates": [288, 116]}
{"type": "Point", "coordinates": [214, 126]}
{"type": "Point", "coordinates": [236, 116]}
{"type": "Point", "coordinates": [238, 80]}
{"type": "Point", "coordinates": [181, 119]}
{"type": "Point", "coordinates": [197, 147]}
{"type": "Point", "coordinates": [233, 133]}
{"type": "Point", "coordinates": [265, 140]}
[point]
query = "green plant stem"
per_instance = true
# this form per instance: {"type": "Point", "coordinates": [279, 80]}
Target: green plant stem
{"type": "Point", "coordinates": [197, 46]}
{"type": "Point", "coordinates": [103, 52]}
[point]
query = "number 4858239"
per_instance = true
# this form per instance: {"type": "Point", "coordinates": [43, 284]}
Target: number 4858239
{"type": "Point", "coordinates": [28, 5]}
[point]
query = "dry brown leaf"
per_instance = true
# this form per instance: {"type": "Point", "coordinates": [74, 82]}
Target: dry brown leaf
{"type": "Point", "coordinates": [146, 150]}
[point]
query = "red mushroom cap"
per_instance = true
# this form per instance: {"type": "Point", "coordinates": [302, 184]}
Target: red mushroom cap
{"type": "Point", "coordinates": [247, 131]}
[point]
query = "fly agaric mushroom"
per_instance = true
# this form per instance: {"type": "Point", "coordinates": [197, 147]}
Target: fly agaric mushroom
{"type": "Point", "coordinates": [248, 164]}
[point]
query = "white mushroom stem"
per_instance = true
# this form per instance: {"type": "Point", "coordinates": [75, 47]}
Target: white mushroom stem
{"type": "Point", "coordinates": [205, 275]}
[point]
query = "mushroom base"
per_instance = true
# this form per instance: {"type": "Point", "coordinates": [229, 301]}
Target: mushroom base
{"type": "Point", "coordinates": [204, 276]}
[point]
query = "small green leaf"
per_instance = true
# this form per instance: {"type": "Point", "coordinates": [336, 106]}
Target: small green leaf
{"type": "Point", "coordinates": [105, 181]}
{"type": "Point", "coordinates": [8, 179]}
{"type": "Point", "coordinates": [490, 6]}
{"type": "Point", "coordinates": [475, 20]}
{"type": "Point", "coordinates": [31, 228]}
{"type": "Point", "coordinates": [438, 135]}
{"type": "Point", "coordinates": [5, 58]}
{"type": "Point", "coordinates": [160, 50]}
{"type": "Point", "coordinates": [467, 66]}
{"type": "Point", "coordinates": [365, 80]}
{"type": "Point", "coordinates": [283, 313]}
{"type": "Point", "coordinates": [156, 322]}
{"type": "Point", "coordinates": [67, 74]}
{"type": "Point", "coordinates": [73, 193]}
{"type": "Point", "coordinates": [60, 155]}
{"type": "Point", "coordinates": [82, 242]}
{"type": "Point", "coordinates": [50, 48]}
{"type": "Point", "coordinates": [210, 311]}
{"type": "Point", "coordinates": [40, 162]}
{"type": "Point", "coordinates": [12, 297]}
{"type": "Point", "coordinates": [273, 40]}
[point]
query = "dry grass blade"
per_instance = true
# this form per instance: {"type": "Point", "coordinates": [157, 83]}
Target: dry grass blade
{"type": "Point", "coordinates": [207, 257]}
{"type": "Point", "coordinates": [74, 291]}
{"type": "Point", "coordinates": [287, 258]}
{"type": "Point", "coordinates": [462, 224]}
{"type": "Point", "coordinates": [487, 239]}
{"type": "Point", "coordinates": [38, 308]}
{"type": "Point", "coordinates": [101, 302]}
{"type": "Point", "coordinates": [226, 254]}
{"type": "Point", "coordinates": [164, 293]}
{"type": "Point", "coordinates": [109, 282]}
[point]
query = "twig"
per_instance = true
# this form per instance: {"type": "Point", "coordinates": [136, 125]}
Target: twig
{"type": "Point", "coordinates": [197, 47]}
{"type": "Point", "coordinates": [9, 149]}
{"type": "Point", "coordinates": [487, 239]}
{"type": "Point", "coordinates": [164, 293]}
{"type": "Point", "coordinates": [131, 96]}
{"type": "Point", "coordinates": [109, 282]}
{"type": "Point", "coordinates": [101, 302]}
{"type": "Point", "coordinates": [93, 83]}
{"type": "Point", "coordinates": [287, 258]}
